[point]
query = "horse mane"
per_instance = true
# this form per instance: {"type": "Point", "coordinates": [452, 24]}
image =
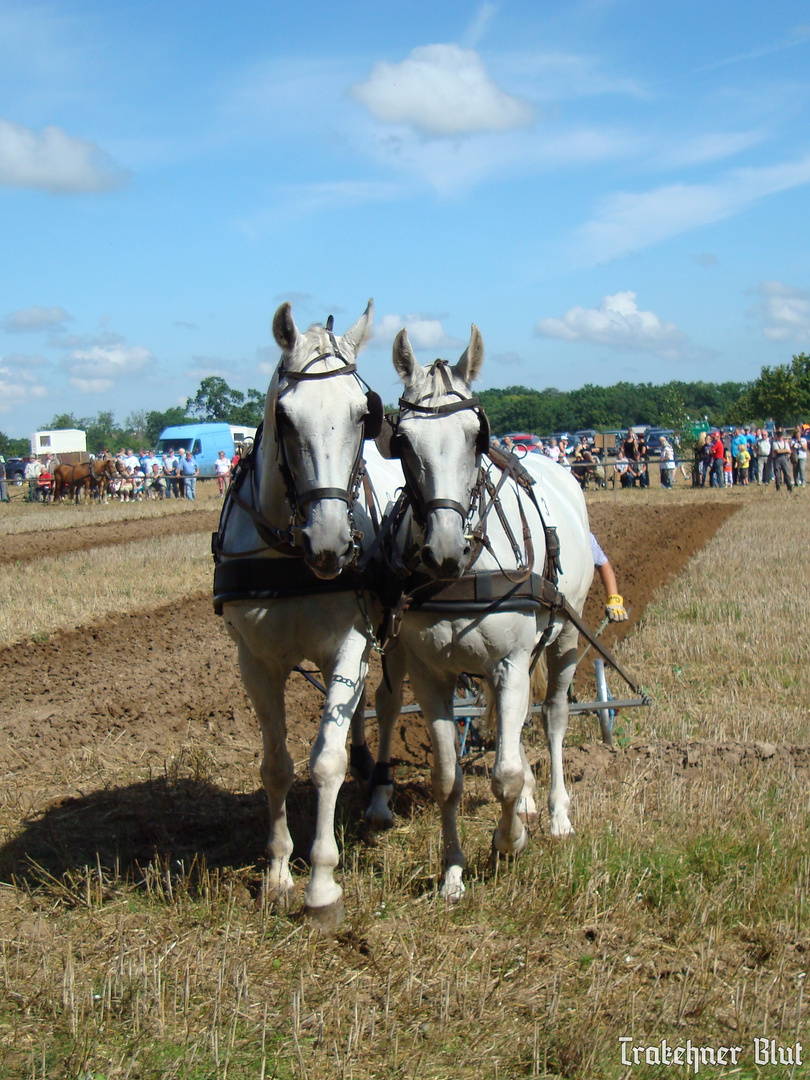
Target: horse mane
{"type": "Point", "coordinates": [428, 385]}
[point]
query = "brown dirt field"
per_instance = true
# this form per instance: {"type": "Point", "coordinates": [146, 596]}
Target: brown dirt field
{"type": "Point", "coordinates": [138, 689]}
{"type": "Point", "coordinates": [24, 547]}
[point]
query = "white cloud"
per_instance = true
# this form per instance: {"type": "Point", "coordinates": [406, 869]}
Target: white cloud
{"type": "Point", "coordinates": [98, 369]}
{"type": "Point", "coordinates": [24, 360]}
{"type": "Point", "coordinates": [628, 222]}
{"type": "Point", "coordinates": [441, 90]}
{"type": "Point", "coordinates": [618, 323]}
{"type": "Point", "coordinates": [423, 333]}
{"type": "Point", "coordinates": [51, 160]}
{"type": "Point", "coordinates": [35, 318]}
{"type": "Point", "coordinates": [18, 387]}
{"type": "Point", "coordinates": [702, 149]}
{"type": "Point", "coordinates": [554, 77]}
{"type": "Point", "coordinates": [785, 312]}
{"type": "Point", "coordinates": [484, 14]}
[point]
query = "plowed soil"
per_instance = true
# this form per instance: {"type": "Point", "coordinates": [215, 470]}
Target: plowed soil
{"type": "Point", "coordinates": [138, 688]}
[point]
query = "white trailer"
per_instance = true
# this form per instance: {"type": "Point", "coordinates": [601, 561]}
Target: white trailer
{"type": "Point", "coordinates": [64, 444]}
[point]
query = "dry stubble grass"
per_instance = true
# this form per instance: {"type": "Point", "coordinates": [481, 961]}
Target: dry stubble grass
{"type": "Point", "coordinates": [725, 652]}
{"type": "Point", "coordinates": [68, 591]}
{"type": "Point", "coordinates": [679, 911]}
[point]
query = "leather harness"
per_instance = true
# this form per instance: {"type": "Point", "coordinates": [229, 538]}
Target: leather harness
{"type": "Point", "coordinates": [245, 576]}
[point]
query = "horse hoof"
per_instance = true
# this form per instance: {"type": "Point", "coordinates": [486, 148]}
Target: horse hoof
{"type": "Point", "coordinates": [379, 822]}
{"type": "Point", "coordinates": [499, 847]}
{"type": "Point", "coordinates": [325, 919]}
{"type": "Point", "coordinates": [560, 830]}
{"type": "Point", "coordinates": [452, 889]}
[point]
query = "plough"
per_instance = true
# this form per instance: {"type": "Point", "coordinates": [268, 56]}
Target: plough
{"type": "Point", "coordinates": [469, 705]}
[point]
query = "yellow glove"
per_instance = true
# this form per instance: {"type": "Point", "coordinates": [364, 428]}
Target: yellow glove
{"type": "Point", "coordinates": [614, 608]}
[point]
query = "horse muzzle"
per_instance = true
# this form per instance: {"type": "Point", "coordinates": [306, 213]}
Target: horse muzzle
{"type": "Point", "coordinates": [327, 541]}
{"type": "Point", "coordinates": [446, 551]}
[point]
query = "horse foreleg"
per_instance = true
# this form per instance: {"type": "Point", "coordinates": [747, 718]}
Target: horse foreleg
{"type": "Point", "coordinates": [527, 805]}
{"type": "Point", "coordinates": [562, 662]}
{"type": "Point", "coordinates": [436, 701]}
{"type": "Point", "coordinates": [327, 767]}
{"type": "Point", "coordinates": [361, 761]}
{"type": "Point", "coordinates": [388, 705]}
{"type": "Point", "coordinates": [266, 690]}
{"type": "Point", "coordinates": [511, 688]}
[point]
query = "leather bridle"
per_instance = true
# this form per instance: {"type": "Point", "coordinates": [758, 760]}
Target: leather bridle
{"type": "Point", "coordinates": [421, 506]}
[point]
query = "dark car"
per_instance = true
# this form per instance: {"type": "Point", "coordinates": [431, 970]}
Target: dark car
{"type": "Point", "coordinates": [15, 470]}
{"type": "Point", "coordinates": [654, 436]}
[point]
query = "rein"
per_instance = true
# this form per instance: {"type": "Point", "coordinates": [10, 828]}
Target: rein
{"type": "Point", "coordinates": [477, 594]}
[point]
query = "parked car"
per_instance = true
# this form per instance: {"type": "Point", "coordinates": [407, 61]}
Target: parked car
{"type": "Point", "coordinates": [586, 436]}
{"type": "Point", "coordinates": [522, 442]}
{"type": "Point", "coordinates": [15, 470]}
{"type": "Point", "coordinates": [654, 436]}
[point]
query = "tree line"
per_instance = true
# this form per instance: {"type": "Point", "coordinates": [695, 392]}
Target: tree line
{"type": "Point", "coordinates": [780, 393]}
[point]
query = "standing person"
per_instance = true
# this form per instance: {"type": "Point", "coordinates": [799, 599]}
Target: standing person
{"type": "Point", "coordinates": [170, 466]}
{"type": "Point", "coordinates": [764, 457]}
{"type": "Point", "coordinates": [703, 457]}
{"type": "Point", "coordinates": [667, 464]}
{"type": "Point", "coordinates": [753, 468]}
{"type": "Point", "coordinates": [189, 470]}
{"type": "Point", "coordinates": [222, 468]}
{"type": "Point", "coordinates": [737, 441]}
{"type": "Point", "coordinates": [3, 485]}
{"type": "Point", "coordinates": [743, 464]}
{"type": "Point", "coordinates": [32, 472]}
{"type": "Point", "coordinates": [630, 446]}
{"type": "Point", "coordinates": [780, 458]}
{"type": "Point", "coordinates": [728, 470]}
{"type": "Point", "coordinates": [643, 459]}
{"type": "Point", "coordinates": [718, 459]}
{"type": "Point", "coordinates": [798, 457]}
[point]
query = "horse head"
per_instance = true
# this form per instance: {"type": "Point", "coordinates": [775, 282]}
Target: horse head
{"type": "Point", "coordinates": [317, 414]}
{"type": "Point", "coordinates": [440, 436]}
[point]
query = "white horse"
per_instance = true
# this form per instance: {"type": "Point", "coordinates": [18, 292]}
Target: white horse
{"type": "Point", "coordinates": [286, 581]}
{"type": "Point", "coordinates": [479, 546]}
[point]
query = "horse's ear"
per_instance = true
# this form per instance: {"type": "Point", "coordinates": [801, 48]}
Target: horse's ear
{"type": "Point", "coordinates": [358, 334]}
{"type": "Point", "coordinates": [403, 356]}
{"type": "Point", "coordinates": [472, 359]}
{"type": "Point", "coordinates": [284, 329]}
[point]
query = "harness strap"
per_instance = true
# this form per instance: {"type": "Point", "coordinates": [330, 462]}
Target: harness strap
{"type": "Point", "coordinates": [273, 579]}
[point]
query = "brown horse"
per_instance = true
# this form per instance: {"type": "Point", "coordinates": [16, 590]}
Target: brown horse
{"type": "Point", "coordinates": [87, 476]}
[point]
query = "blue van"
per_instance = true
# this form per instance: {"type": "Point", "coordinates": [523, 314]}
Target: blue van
{"type": "Point", "coordinates": [204, 441]}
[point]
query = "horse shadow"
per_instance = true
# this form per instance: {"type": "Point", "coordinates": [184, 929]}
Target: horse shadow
{"type": "Point", "coordinates": [184, 823]}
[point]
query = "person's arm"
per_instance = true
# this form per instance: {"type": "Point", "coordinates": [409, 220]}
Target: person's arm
{"type": "Point", "coordinates": [614, 604]}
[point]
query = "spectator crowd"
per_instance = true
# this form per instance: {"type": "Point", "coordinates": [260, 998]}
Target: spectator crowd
{"type": "Point", "coordinates": [723, 459]}
{"type": "Point", "coordinates": [138, 476]}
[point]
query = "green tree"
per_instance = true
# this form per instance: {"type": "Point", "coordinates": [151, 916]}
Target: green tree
{"type": "Point", "coordinates": [155, 422]}
{"type": "Point", "coordinates": [214, 401]}
{"type": "Point", "coordinates": [14, 447]}
{"type": "Point", "coordinates": [251, 413]}
{"type": "Point", "coordinates": [781, 393]}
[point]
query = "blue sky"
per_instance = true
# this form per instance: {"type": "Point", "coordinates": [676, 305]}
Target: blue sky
{"type": "Point", "coordinates": [610, 189]}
